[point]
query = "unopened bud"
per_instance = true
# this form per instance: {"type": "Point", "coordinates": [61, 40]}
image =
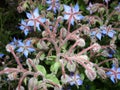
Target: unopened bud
{"type": "Point", "coordinates": [9, 47]}
{"type": "Point", "coordinates": [81, 42]}
{"type": "Point", "coordinates": [96, 47]}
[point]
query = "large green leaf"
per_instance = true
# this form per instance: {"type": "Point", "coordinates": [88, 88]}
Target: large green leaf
{"type": "Point", "coordinates": [41, 69]}
{"type": "Point", "coordinates": [52, 78]}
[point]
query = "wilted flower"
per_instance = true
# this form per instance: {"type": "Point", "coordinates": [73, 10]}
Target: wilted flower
{"type": "Point", "coordinates": [25, 47]}
{"type": "Point", "coordinates": [108, 52]}
{"type": "Point", "coordinates": [118, 7]}
{"type": "Point", "coordinates": [114, 73]}
{"type": "Point", "coordinates": [72, 13]}
{"type": "Point", "coordinates": [89, 8]}
{"type": "Point", "coordinates": [34, 19]}
{"type": "Point", "coordinates": [53, 5]}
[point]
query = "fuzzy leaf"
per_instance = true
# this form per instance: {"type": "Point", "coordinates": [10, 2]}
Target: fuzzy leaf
{"type": "Point", "coordinates": [41, 69]}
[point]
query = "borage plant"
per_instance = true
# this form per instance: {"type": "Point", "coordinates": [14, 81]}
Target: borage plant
{"type": "Point", "coordinates": [71, 46]}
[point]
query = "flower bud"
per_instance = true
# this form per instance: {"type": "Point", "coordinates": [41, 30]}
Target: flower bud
{"type": "Point", "coordinates": [91, 74]}
{"type": "Point", "coordinates": [96, 47]}
{"type": "Point", "coordinates": [71, 66]}
{"type": "Point", "coordinates": [81, 42]}
{"type": "Point", "coordinates": [9, 47]}
{"type": "Point", "coordinates": [65, 78]}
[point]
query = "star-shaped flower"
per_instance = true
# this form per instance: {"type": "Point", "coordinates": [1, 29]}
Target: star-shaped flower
{"type": "Point", "coordinates": [24, 27]}
{"type": "Point", "coordinates": [25, 47]}
{"type": "Point", "coordinates": [72, 13]}
{"type": "Point", "coordinates": [107, 31]}
{"type": "Point", "coordinates": [34, 19]}
{"type": "Point", "coordinates": [114, 73]}
{"type": "Point", "coordinates": [15, 42]}
{"type": "Point", "coordinates": [53, 5]}
{"type": "Point", "coordinates": [75, 80]}
{"type": "Point", "coordinates": [96, 33]}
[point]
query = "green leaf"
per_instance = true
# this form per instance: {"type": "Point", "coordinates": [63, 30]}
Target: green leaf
{"type": "Point", "coordinates": [41, 69]}
{"type": "Point", "coordinates": [52, 78]}
{"type": "Point", "coordinates": [54, 68]}
{"type": "Point", "coordinates": [42, 57]}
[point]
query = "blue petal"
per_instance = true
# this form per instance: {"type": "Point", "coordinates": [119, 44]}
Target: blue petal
{"type": "Point", "coordinates": [93, 33]}
{"type": "Point", "coordinates": [30, 23]}
{"type": "Point", "coordinates": [67, 8]}
{"type": "Point", "coordinates": [66, 17]}
{"type": "Point", "coordinates": [49, 8]}
{"type": "Point", "coordinates": [48, 2]}
{"type": "Point", "coordinates": [1, 55]}
{"type": "Point", "coordinates": [54, 9]}
{"type": "Point", "coordinates": [76, 8]}
{"type": "Point", "coordinates": [26, 53]}
{"type": "Point", "coordinates": [112, 78]}
{"type": "Point", "coordinates": [31, 49]}
{"type": "Point", "coordinates": [37, 25]}
{"type": "Point", "coordinates": [72, 21]}
{"type": "Point", "coordinates": [78, 17]}
{"type": "Point", "coordinates": [114, 67]}
{"type": "Point", "coordinates": [42, 20]}
{"type": "Point", "coordinates": [20, 43]}
{"type": "Point", "coordinates": [28, 43]}
{"type": "Point", "coordinates": [29, 16]}
{"type": "Point", "coordinates": [118, 76]}
{"type": "Point", "coordinates": [22, 27]}
{"type": "Point", "coordinates": [118, 70]}
{"type": "Point", "coordinates": [98, 35]}
{"type": "Point", "coordinates": [36, 12]}
{"type": "Point", "coordinates": [79, 82]}
{"type": "Point", "coordinates": [20, 49]}
{"type": "Point", "coordinates": [72, 83]}
{"type": "Point", "coordinates": [26, 32]}
{"type": "Point", "coordinates": [104, 32]}
{"type": "Point", "coordinates": [109, 73]}
{"type": "Point", "coordinates": [23, 22]}
{"type": "Point", "coordinates": [110, 34]}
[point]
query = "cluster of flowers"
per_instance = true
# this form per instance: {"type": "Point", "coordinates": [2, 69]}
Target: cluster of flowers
{"type": "Point", "coordinates": [72, 14]}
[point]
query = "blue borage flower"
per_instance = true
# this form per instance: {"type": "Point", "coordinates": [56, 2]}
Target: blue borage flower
{"type": "Point", "coordinates": [34, 19]}
{"type": "Point", "coordinates": [107, 31]}
{"type": "Point", "coordinates": [89, 8]}
{"type": "Point", "coordinates": [75, 80]}
{"type": "Point", "coordinates": [114, 73]}
{"type": "Point", "coordinates": [104, 30]}
{"type": "Point", "coordinates": [97, 32]}
{"type": "Point", "coordinates": [53, 5]}
{"type": "Point", "coordinates": [24, 27]}
{"type": "Point", "coordinates": [72, 13]}
{"type": "Point", "coordinates": [25, 47]}
{"type": "Point", "coordinates": [15, 42]}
